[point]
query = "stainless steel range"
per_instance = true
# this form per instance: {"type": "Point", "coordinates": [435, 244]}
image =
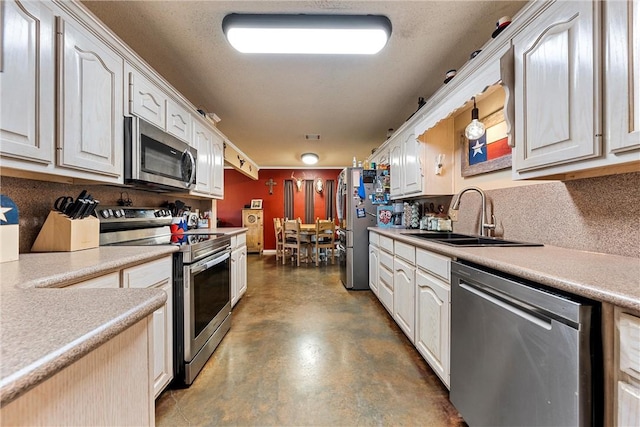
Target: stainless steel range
{"type": "Point", "coordinates": [201, 280]}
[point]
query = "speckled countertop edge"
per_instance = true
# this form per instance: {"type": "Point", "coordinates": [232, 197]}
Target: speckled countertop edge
{"type": "Point", "coordinates": [36, 354]}
{"type": "Point", "coordinates": [43, 330]}
{"type": "Point", "coordinates": [608, 278]}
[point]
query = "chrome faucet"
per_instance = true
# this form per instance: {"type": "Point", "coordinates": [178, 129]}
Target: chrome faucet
{"type": "Point", "coordinates": [455, 206]}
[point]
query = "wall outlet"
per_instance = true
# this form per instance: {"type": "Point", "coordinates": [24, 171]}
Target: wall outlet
{"type": "Point", "coordinates": [453, 214]}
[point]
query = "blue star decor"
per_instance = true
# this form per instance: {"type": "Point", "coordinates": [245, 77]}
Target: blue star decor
{"type": "Point", "coordinates": [8, 211]}
{"type": "Point", "coordinates": [10, 230]}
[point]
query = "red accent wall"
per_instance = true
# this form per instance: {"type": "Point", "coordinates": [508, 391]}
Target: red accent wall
{"type": "Point", "coordinates": [239, 190]}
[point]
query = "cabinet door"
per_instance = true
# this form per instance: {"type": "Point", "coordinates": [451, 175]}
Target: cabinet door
{"type": "Point", "coordinates": [90, 135]}
{"type": "Point", "coordinates": [374, 260]}
{"type": "Point", "coordinates": [202, 140]}
{"type": "Point", "coordinates": [235, 273]}
{"type": "Point", "coordinates": [163, 342]}
{"type": "Point", "coordinates": [27, 80]}
{"type": "Point", "coordinates": [404, 307]}
{"type": "Point", "coordinates": [395, 161]}
{"type": "Point", "coordinates": [242, 271]}
{"type": "Point", "coordinates": [411, 169]}
{"type": "Point", "coordinates": [557, 114]}
{"type": "Point", "coordinates": [432, 322]}
{"type": "Point", "coordinates": [217, 167]}
{"type": "Point", "coordinates": [622, 69]}
{"type": "Point", "coordinates": [146, 100]}
{"type": "Point", "coordinates": [178, 121]}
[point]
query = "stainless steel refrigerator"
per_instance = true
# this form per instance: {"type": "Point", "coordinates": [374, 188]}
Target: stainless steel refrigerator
{"type": "Point", "coordinates": [356, 212]}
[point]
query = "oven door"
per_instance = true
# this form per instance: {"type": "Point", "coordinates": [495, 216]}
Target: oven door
{"type": "Point", "coordinates": [207, 299]}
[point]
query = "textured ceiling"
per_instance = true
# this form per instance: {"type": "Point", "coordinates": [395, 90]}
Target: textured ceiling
{"type": "Point", "coordinates": [268, 103]}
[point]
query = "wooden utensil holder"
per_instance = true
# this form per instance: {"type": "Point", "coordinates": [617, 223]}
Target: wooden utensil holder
{"type": "Point", "coordinates": [63, 234]}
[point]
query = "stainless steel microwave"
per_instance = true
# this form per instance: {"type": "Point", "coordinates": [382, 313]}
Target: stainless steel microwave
{"type": "Point", "coordinates": [156, 160]}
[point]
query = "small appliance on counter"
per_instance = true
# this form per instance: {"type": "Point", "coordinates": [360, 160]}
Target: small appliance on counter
{"type": "Point", "coordinates": [397, 216]}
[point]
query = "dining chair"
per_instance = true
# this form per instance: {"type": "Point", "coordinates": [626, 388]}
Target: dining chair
{"type": "Point", "coordinates": [277, 227]}
{"type": "Point", "coordinates": [324, 239]}
{"type": "Point", "coordinates": [293, 240]}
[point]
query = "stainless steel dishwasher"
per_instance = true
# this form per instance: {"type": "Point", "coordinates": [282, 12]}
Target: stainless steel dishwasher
{"type": "Point", "coordinates": [522, 355]}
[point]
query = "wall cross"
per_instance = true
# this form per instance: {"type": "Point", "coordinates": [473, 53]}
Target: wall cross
{"type": "Point", "coordinates": [271, 183]}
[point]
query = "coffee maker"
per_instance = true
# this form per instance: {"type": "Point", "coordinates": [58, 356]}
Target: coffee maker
{"type": "Point", "coordinates": [396, 217]}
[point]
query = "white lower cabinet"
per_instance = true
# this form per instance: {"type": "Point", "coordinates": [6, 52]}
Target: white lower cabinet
{"type": "Point", "coordinates": [374, 260]}
{"type": "Point", "coordinates": [157, 274]}
{"type": "Point", "coordinates": [238, 267]}
{"type": "Point", "coordinates": [627, 369]}
{"type": "Point", "coordinates": [433, 299]}
{"type": "Point", "coordinates": [111, 280]}
{"type": "Point", "coordinates": [404, 297]}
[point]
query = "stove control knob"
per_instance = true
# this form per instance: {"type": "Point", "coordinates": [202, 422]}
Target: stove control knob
{"type": "Point", "coordinates": [157, 214]}
{"type": "Point", "coordinates": [118, 213]}
{"type": "Point", "coordinates": [105, 213]}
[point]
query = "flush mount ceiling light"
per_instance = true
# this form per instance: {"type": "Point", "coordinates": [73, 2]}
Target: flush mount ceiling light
{"type": "Point", "coordinates": [475, 129]}
{"type": "Point", "coordinates": [307, 34]}
{"type": "Point", "coordinates": [309, 158]}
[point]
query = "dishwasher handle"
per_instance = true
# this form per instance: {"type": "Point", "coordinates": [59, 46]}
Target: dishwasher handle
{"type": "Point", "coordinates": [511, 306]}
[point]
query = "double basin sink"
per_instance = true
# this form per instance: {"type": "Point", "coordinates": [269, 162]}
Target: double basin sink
{"type": "Point", "coordinates": [466, 240]}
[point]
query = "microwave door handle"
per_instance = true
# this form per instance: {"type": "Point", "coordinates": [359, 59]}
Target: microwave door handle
{"type": "Point", "coordinates": [193, 166]}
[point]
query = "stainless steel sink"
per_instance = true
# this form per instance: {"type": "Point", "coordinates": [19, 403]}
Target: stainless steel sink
{"type": "Point", "coordinates": [465, 240]}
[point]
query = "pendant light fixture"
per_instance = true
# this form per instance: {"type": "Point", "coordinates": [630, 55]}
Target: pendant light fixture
{"type": "Point", "coordinates": [309, 158]}
{"type": "Point", "coordinates": [475, 129]}
{"type": "Point", "coordinates": [307, 34]}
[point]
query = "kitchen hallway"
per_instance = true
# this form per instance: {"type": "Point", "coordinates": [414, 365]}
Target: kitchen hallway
{"type": "Point", "coordinates": [302, 350]}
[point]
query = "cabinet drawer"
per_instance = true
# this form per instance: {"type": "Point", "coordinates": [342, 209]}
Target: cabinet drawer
{"type": "Point", "coordinates": [241, 240]}
{"type": "Point", "coordinates": [628, 405]}
{"type": "Point", "coordinates": [111, 280]}
{"type": "Point", "coordinates": [433, 263]}
{"type": "Point", "coordinates": [406, 252]}
{"type": "Point", "coordinates": [147, 275]}
{"type": "Point", "coordinates": [629, 327]}
{"type": "Point", "coordinates": [386, 278]}
{"type": "Point", "coordinates": [386, 243]}
{"type": "Point", "coordinates": [386, 260]}
{"type": "Point", "coordinates": [374, 238]}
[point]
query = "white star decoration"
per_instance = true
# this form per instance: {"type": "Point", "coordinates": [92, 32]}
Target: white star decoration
{"type": "Point", "coordinates": [477, 149]}
{"type": "Point", "coordinates": [2, 212]}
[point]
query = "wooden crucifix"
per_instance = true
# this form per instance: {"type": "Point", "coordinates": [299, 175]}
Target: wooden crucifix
{"type": "Point", "coordinates": [271, 183]}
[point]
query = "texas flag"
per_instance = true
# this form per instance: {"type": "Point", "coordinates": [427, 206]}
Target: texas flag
{"type": "Point", "coordinates": [480, 150]}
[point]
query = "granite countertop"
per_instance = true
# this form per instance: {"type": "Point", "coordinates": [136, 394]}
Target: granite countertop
{"type": "Point", "coordinates": [608, 278]}
{"type": "Point", "coordinates": [44, 329]}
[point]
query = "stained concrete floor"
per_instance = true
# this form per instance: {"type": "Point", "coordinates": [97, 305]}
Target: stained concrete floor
{"type": "Point", "coordinates": [302, 350]}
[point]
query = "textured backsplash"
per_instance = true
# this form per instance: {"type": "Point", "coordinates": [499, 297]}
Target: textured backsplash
{"type": "Point", "coordinates": [595, 214]}
{"type": "Point", "coordinates": [35, 199]}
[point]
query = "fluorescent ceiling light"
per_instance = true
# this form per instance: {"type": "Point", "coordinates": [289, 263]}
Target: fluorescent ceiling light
{"type": "Point", "coordinates": [307, 34]}
{"type": "Point", "coordinates": [309, 158]}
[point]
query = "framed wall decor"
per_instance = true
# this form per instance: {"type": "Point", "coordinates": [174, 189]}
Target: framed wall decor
{"type": "Point", "coordinates": [256, 203]}
{"type": "Point", "coordinates": [489, 153]}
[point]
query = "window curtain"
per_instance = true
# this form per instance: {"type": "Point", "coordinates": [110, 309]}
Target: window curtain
{"type": "Point", "coordinates": [288, 198]}
{"type": "Point", "coordinates": [330, 199]}
{"type": "Point", "coordinates": [308, 201]}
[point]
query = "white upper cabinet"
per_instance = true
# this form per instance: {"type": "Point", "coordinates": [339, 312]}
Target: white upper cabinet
{"type": "Point", "coordinates": [622, 74]}
{"type": "Point", "coordinates": [146, 100]}
{"type": "Point", "coordinates": [395, 162]}
{"type": "Point", "coordinates": [412, 167]}
{"type": "Point", "coordinates": [27, 81]}
{"type": "Point", "coordinates": [557, 87]}
{"type": "Point", "coordinates": [203, 142]}
{"type": "Point", "coordinates": [217, 166]}
{"type": "Point", "coordinates": [90, 101]}
{"type": "Point", "coordinates": [178, 121]}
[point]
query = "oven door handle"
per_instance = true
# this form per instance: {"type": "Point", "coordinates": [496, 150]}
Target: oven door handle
{"type": "Point", "coordinates": [210, 263]}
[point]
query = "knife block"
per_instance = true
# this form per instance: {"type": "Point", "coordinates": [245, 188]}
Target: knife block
{"type": "Point", "coordinates": [63, 234]}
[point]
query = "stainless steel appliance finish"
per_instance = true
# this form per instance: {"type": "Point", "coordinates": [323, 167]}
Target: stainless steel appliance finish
{"type": "Point", "coordinates": [356, 213]}
{"type": "Point", "coordinates": [155, 159]}
{"type": "Point", "coordinates": [201, 280]}
{"type": "Point", "coordinates": [521, 354]}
